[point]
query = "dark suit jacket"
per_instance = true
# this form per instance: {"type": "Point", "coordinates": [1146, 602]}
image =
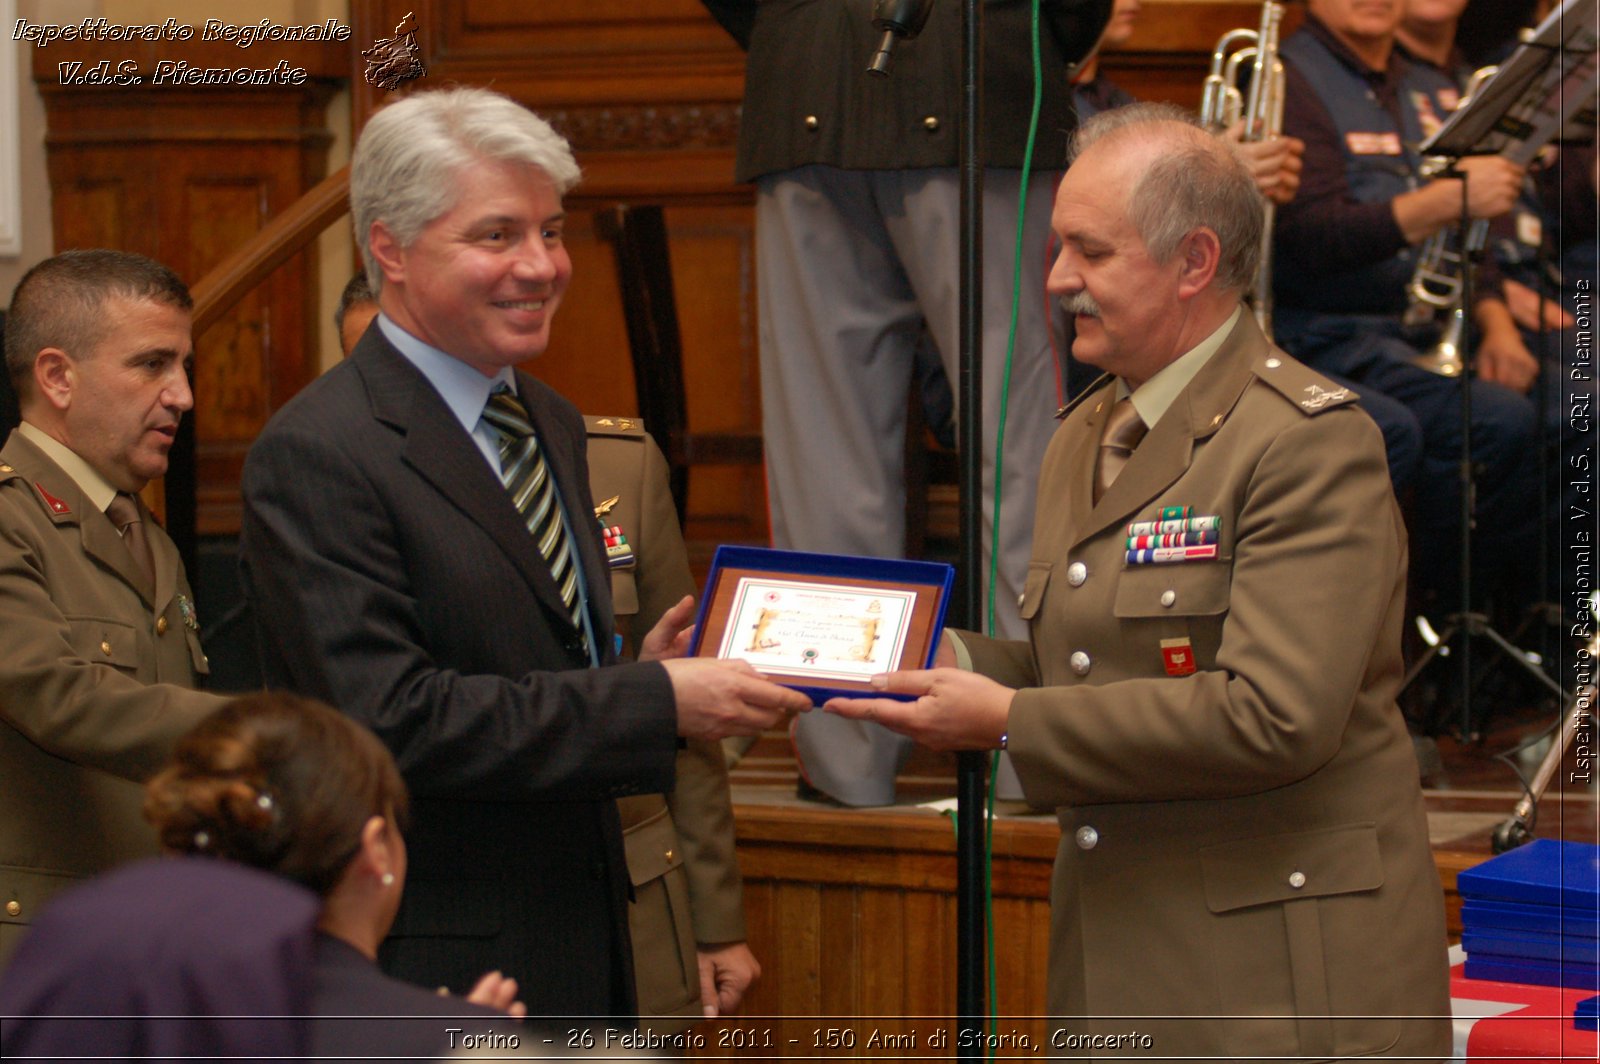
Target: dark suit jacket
{"type": "Point", "coordinates": [393, 578]}
{"type": "Point", "coordinates": [808, 98]}
{"type": "Point", "coordinates": [362, 1013]}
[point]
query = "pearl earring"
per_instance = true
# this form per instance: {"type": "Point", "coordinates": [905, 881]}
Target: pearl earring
{"type": "Point", "coordinates": [388, 879]}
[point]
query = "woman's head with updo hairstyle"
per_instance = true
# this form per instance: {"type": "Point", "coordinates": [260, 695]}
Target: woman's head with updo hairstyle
{"type": "Point", "coordinates": [274, 781]}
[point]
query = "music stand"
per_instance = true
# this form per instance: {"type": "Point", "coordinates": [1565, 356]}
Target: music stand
{"type": "Point", "coordinates": [1543, 92]}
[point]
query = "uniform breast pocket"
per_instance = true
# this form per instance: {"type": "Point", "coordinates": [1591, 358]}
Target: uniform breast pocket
{"type": "Point", "coordinates": [1033, 589]}
{"type": "Point", "coordinates": [1183, 600]}
{"type": "Point", "coordinates": [105, 642]}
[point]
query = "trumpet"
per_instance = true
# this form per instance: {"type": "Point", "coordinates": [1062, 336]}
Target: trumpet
{"type": "Point", "coordinates": [1260, 105]}
{"type": "Point", "coordinates": [1440, 275]}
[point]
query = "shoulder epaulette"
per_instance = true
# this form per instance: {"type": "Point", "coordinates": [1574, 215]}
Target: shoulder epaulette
{"type": "Point", "coordinates": [1307, 389]}
{"type": "Point", "coordinates": [1094, 386]}
{"type": "Point", "coordinates": [610, 425]}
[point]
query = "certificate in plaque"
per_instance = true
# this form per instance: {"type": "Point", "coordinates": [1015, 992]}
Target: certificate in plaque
{"type": "Point", "coordinates": [824, 624]}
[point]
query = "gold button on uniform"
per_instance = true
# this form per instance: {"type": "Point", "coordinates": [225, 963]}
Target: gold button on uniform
{"type": "Point", "coordinates": [1297, 880]}
{"type": "Point", "coordinates": [161, 626]}
{"type": "Point", "coordinates": [105, 647]}
{"type": "Point", "coordinates": [13, 908]}
{"type": "Point", "coordinates": [669, 855]}
{"type": "Point", "coordinates": [931, 123]}
{"type": "Point", "coordinates": [811, 122]}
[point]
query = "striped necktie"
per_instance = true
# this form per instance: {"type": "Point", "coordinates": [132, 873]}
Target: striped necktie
{"type": "Point", "coordinates": [527, 478]}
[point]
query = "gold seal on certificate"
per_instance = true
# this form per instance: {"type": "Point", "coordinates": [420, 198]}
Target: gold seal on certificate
{"type": "Point", "coordinates": [823, 623]}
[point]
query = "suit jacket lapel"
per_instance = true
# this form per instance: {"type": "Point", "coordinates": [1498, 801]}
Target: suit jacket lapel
{"type": "Point", "coordinates": [1164, 454]}
{"type": "Point", "coordinates": [449, 460]}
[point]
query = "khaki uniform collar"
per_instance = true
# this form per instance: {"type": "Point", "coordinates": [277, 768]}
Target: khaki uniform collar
{"type": "Point", "coordinates": [95, 487]}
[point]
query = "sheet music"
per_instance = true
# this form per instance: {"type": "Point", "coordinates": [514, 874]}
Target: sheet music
{"type": "Point", "coordinates": [1544, 91]}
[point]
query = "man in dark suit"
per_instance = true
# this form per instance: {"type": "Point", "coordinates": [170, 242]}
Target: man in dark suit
{"type": "Point", "coordinates": [1244, 860]}
{"type": "Point", "coordinates": [420, 545]}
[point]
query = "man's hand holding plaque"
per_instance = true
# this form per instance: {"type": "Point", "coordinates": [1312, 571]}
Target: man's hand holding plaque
{"type": "Point", "coordinates": [823, 624]}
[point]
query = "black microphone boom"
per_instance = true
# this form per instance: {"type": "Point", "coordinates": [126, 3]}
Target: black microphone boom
{"type": "Point", "coordinates": [897, 19]}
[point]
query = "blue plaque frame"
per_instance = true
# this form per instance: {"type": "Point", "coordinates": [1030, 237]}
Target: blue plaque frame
{"type": "Point", "coordinates": [896, 573]}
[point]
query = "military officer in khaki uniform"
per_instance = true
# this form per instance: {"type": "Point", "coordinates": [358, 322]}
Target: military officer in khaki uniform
{"type": "Point", "coordinates": [102, 649]}
{"type": "Point", "coordinates": [687, 917]}
{"type": "Point", "coordinates": [1210, 709]}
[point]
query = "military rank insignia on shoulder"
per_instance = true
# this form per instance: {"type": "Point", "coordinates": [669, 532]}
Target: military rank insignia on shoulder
{"type": "Point", "coordinates": [611, 425]}
{"type": "Point", "coordinates": [1304, 387]}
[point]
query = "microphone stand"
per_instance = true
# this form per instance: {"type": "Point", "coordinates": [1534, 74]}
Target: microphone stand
{"type": "Point", "coordinates": [971, 765]}
{"type": "Point", "coordinates": [1464, 625]}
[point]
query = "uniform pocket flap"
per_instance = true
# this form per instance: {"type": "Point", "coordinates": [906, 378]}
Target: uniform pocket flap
{"type": "Point", "coordinates": [450, 908]}
{"type": "Point", "coordinates": [23, 891]}
{"type": "Point", "coordinates": [197, 655]}
{"type": "Point", "coordinates": [652, 847]}
{"type": "Point", "coordinates": [1033, 589]}
{"type": "Point", "coordinates": [105, 641]}
{"type": "Point", "coordinates": [1175, 589]}
{"type": "Point", "coordinates": [624, 593]}
{"type": "Point", "coordinates": [1277, 868]}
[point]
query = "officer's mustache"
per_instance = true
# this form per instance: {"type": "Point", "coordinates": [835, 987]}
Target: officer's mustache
{"type": "Point", "coordinates": [1081, 303]}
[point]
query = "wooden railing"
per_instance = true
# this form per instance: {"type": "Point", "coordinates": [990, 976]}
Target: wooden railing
{"type": "Point", "coordinates": [229, 281]}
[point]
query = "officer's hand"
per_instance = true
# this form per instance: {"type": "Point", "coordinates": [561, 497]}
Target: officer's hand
{"type": "Point", "coordinates": [671, 636]}
{"type": "Point", "coordinates": [955, 710]}
{"type": "Point", "coordinates": [719, 698]}
{"type": "Point", "coordinates": [726, 972]}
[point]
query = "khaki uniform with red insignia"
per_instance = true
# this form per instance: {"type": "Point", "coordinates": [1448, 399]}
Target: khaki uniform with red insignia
{"type": "Point", "coordinates": [97, 680]}
{"type": "Point", "coordinates": [680, 847]}
{"type": "Point", "coordinates": [1244, 867]}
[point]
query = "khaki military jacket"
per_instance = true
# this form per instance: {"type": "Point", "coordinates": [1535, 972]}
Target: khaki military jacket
{"type": "Point", "coordinates": [96, 683]}
{"type": "Point", "coordinates": [680, 847]}
{"type": "Point", "coordinates": [1243, 840]}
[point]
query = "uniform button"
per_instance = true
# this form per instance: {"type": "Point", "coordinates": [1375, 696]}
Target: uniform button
{"type": "Point", "coordinates": [1297, 880]}
{"type": "Point", "coordinates": [13, 908]}
{"type": "Point", "coordinates": [811, 122]}
{"type": "Point", "coordinates": [1077, 573]}
{"type": "Point", "coordinates": [1274, 363]}
{"type": "Point", "coordinates": [161, 626]}
{"type": "Point", "coordinates": [1021, 599]}
{"type": "Point", "coordinates": [931, 124]}
{"type": "Point", "coordinates": [1081, 662]}
{"type": "Point", "coordinates": [105, 647]}
{"type": "Point", "coordinates": [1086, 837]}
{"type": "Point", "coordinates": [1168, 597]}
{"type": "Point", "coordinates": [669, 855]}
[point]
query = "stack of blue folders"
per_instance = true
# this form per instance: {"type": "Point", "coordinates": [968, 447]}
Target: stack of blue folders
{"type": "Point", "coordinates": [1532, 915]}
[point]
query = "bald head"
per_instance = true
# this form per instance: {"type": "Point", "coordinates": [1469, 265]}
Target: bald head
{"type": "Point", "coordinates": [1179, 178]}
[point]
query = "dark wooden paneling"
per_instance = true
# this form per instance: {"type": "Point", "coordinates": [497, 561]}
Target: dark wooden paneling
{"type": "Point", "coordinates": [184, 174]}
{"type": "Point", "coordinates": [852, 912]}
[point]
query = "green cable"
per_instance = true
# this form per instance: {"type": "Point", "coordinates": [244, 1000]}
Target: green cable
{"type": "Point", "coordinates": [999, 466]}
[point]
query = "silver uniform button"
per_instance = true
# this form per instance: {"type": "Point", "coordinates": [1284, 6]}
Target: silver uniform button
{"type": "Point", "coordinates": [1081, 662]}
{"type": "Point", "coordinates": [1077, 573]}
{"type": "Point", "coordinates": [1086, 837]}
{"type": "Point", "coordinates": [1021, 599]}
{"type": "Point", "coordinates": [1297, 880]}
{"type": "Point", "coordinates": [1274, 363]}
{"type": "Point", "coordinates": [1168, 597]}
